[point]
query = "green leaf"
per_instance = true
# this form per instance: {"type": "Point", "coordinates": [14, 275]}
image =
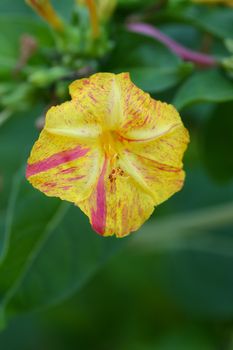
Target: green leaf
{"type": "Point", "coordinates": [155, 79]}
{"type": "Point", "coordinates": [136, 3]}
{"type": "Point", "coordinates": [217, 143]}
{"type": "Point", "coordinates": [50, 250]}
{"type": "Point", "coordinates": [194, 249]}
{"type": "Point", "coordinates": [212, 19]}
{"type": "Point", "coordinates": [198, 275]}
{"type": "Point", "coordinates": [180, 338]}
{"type": "Point", "coordinates": [10, 34]}
{"type": "Point", "coordinates": [218, 21]}
{"type": "Point", "coordinates": [19, 130]}
{"type": "Point", "coordinates": [151, 65]}
{"type": "Point", "coordinates": [64, 8]}
{"type": "Point", "coordinates": [204, 86]}
{"type": "Point", "coordinates": [19, 7]}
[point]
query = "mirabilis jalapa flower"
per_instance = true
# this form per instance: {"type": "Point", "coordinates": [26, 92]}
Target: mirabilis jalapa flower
{"type": "Point", "coordinates": [112, 150]}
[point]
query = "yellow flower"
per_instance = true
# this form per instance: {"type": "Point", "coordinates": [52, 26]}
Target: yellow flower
{"type": "Point", "coordinates": [45, 10]}
{"type": "Point", "coordinates": [112, 150]}
{"type": "Point", "coordinates": [226, 2]}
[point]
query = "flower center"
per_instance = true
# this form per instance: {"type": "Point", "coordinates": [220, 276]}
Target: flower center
{"type": "Point", "coordinates": [109, 143]}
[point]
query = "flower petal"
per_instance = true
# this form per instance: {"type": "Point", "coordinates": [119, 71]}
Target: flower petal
{"type": "Point", "coordinates": [59, 166]}
{"type": "Point", "coordinates": [100, 96]}
{"type": "Point", "coordinates": [158, 180]}
{"type": "Point", "coordinates": [71, 120]}
{"type": "Point", "coordinates": [168, 149]}
{"type": "Point", "coordinates": [144, 119]}
{"type": "Point", "coordinates": [117, 205]}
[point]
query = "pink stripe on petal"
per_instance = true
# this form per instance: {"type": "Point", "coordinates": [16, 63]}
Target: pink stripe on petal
{"type": "Point", "coordinates": [75, 178]}
{"type": "Point", "coordinates": [67, 171]}
{"type": "Point", "coordinates": [98, 216]}
{"type": "Point", "coordinates": [65, 188]}
{"type": "Point", "coordinates": [55, 160]}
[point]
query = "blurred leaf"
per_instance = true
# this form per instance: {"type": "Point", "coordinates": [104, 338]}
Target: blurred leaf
{"type": "Point", "coordinates": [182, 225]}
{"type": "Point", "coordinates": [2, 228]}
{"type": "Point", "coordinates": [136, 3]}
{"type": "Point", "coordinates": [204, 86]}
{"type": "Point", "coordinates": [20, 7]}
{"type": "Point", "coordinates": [19, 98]}
{"type": "Point", "coordinates": [195, 249]}
{"type": "Point", "coordinates": [186, 338]}
{"type": "Point", "coordinates": [198, 277]}
{"type": "Point", "coordinates": [10, 34]}
{"type": "Point", "coordinates": [50, 250]}
{"type": "Point", "coordinates": [215, 20]}
{"type": "Point", "coordinates": [17, 136]}
{"type": "Point", "coordinates": [217, 143]}
{"type": "Point", "coordinates": [151, 65]}
{"type": "Point", "coordinates": [155, 79]}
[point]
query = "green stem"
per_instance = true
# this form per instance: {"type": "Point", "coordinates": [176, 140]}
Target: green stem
{"type": "Point", "coordinates": [180, 225]}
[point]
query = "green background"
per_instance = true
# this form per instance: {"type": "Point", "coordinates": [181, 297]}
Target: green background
{"type": "Point", "coordinates": [170, 285]}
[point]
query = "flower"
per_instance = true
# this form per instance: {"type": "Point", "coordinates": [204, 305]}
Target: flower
{"type": "Point", "coordinates": [112, 150]}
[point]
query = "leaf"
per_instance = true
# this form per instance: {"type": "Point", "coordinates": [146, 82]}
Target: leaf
{"type": "Point", "coordinates": [2, 228]}
{"type": "Point", "coordinates": [212, 19]}
{"type": "Point", "coordinates": [194, 249]}
{"type": "Point", "coordinates": [151, 65]}
{"type": "Point", "coordinates": [204, 86]}
{"type": "Point", "coordinates": [10, 34]}
{"type": "Point", "coordinates": [180, 338]}
{"type": "Point", "coordinates": [217, 143]}
{"type": "Point", "coordinates": [19, 130]}
{"type": "Point", "coordinates": [198, 277]}
{"type": "Point", "coordinates": [218, 21]}
{"type": "Point", "coordinates": [50, 250]}
{"type": "Point", "coordinates": [157, 79]}
{"type": "Point", "coordinates": [20, 7]}
{"type": "Point", "coordinates": [136, 3]}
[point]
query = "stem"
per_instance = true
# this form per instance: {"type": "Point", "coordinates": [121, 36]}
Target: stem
{"type": "Point", "coordinates": [4, 116]}
{"type": "Point", "coordinates": [165, 231]}
{"type": "Point", "coordinates": [178, 49]}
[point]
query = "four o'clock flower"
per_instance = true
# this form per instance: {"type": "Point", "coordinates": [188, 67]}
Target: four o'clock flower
{"type": "Point", "coordinates": [112, 150]}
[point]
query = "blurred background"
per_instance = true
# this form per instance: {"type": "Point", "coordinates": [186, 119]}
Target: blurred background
{"type": "Point", "coordinates": [168, 286]}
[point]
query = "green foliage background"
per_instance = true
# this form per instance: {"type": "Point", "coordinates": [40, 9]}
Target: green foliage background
{"type": "Point", "coordinates": [168, 286]}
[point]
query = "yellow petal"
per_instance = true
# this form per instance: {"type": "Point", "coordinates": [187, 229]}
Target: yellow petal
{"type": "Point", "coordinates": [154, 139]}
{"type": "Point", "coordinates": [72, 120]}
{"type": "Point", "coordinates": [100, 96]}
{"type": "Point", "coordinates": [143, 117]}
{"type": "Point", "coordinates": [117, 205]}
{"type": "Point", "coordinates": [167, 149]}
{"type": "Point", "coordinates": [158, 180]}
{"type": "Point", "coordinates": [63, 164]}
